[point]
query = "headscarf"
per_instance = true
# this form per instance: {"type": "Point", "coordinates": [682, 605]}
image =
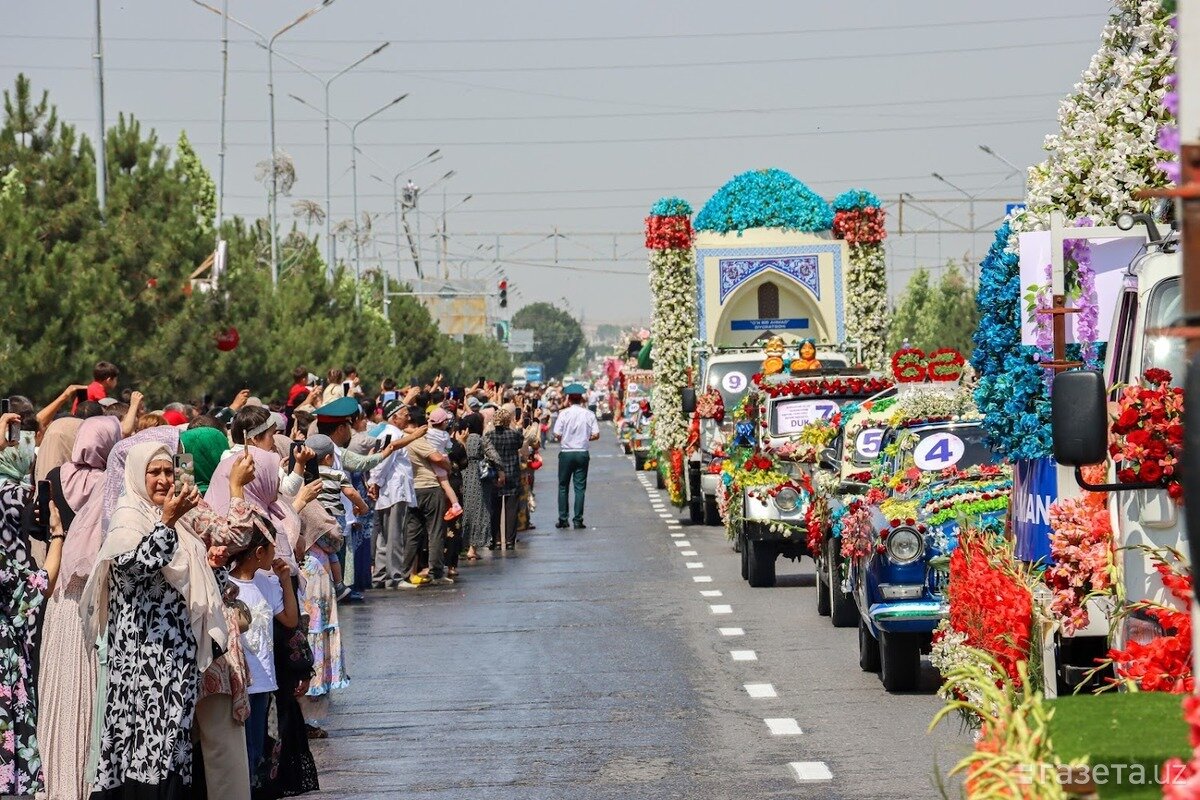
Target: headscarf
{"type": "Point", "coordinates": [206, 445]}
{"type": "Point", "coordinates": [16, 564]}
{"type": "Point", "coordinates": [16, 461]}
{"type": "Point", "coordinates": [87, 531]}
{"type": "Point", "coordinates": [315, 521]}
{"type": "Point", "coordinates": [134, 518]}
{"type": "Point", "coordinates": [93, 443]}
{"type": "Point", "coordinates": [56, 446]}
{"type": "Point", "coordinates": [262, 492]}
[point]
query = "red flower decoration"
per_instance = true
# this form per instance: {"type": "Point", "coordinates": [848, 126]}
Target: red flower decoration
{"type": "Point", "coordinates": [909, 365]}
{"type": "Point", "coordinates": [668, 233]}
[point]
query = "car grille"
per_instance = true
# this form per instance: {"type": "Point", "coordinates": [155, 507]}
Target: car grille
{"type": "Point", "coordinates": [937, 579]}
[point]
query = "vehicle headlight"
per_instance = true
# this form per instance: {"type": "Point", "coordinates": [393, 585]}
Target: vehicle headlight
{"type": "Point", "coordinates": [787, 498]}
{"type": "Point", "coordinates": [904, 545]}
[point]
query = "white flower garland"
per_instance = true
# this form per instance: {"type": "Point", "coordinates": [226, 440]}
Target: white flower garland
{"type": "Point", "coordinates": [866, 306]}
{"type": "Point", "coordinates": [673, 326]}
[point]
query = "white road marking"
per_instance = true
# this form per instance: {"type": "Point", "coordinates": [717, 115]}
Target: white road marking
{"type": "Point", "coordinates": [760, 690]}
{"type": "Point", "coordinates": [674, 527]}
{"type": "Point", "coordinates": [688, 553]}
{"type": "Point", "coordinates": [702, 578]}
{"type": "Point", "coordinates": [783, 726]}
{"type": "Point", "coordinates": [711, 593]}
{"type": "Point", "coordinates": [676, 535]}
{"type": "Point", "coordinates": [743, 655]}
{"type": "Point", "coordinates": [695, 565]}
{"type": "Point", "coordinates": [683, 543]}
{"type": "Point", "coordinates": [731, 631]}
{"type": "Point", "coordinates": [811, 771]}
{"type": "Point", "coordinates": [722, 609]}
{"type": "Point", "coordinates": [666, 516]}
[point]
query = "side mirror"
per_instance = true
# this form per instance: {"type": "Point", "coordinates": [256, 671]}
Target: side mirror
{"type": "Point", "coordinates": [829, 459]}
{"type": "Point", "coordinates": [688, 396]}
{"type": "Point", "coordinates": [1079, 418]}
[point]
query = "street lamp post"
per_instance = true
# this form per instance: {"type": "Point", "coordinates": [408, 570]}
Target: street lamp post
{"type": "Point", "coordinates": [445, 234]}
{"type": "Point", "coordinates": [354, 191]}
{"type": "Point", "coordinates": [432, 157]}
{"type": "Point", "coordinates": [970, 207]}
{"type": "Point", "coordinates": [269, 44]}
{"type": "Point", "coordinates": [1015, 169]}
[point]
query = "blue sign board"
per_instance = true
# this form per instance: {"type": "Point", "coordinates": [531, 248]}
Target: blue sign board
{"type": "Point", "coordinates": [770, 324]}
{"type": "Point", "coordinates": [1035, 487]}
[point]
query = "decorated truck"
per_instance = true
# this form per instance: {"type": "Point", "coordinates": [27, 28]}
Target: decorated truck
{"type": "Point", "coordinates": [780, 433]}
{"type": "Point", "coordinates": [774, 260]}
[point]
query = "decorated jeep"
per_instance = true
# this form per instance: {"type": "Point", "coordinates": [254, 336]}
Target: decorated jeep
{"type": "Point", "coordinates": [934, 475]}
{"type": "Point", "coordinates": [782, 428]}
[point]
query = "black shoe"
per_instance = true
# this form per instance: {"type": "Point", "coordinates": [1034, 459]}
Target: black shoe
{"type": "Point", "coordinates": [562, 523]}
{"type": "Point", "coordinates": [579, 526]}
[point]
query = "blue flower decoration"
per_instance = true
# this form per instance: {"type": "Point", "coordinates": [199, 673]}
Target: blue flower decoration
{"type": "Point", "coordinates": [767, 198]}
{"type": "Point", "coordinates": [671, 207]}
{"type": "Point", "coordinates": [854, 199]}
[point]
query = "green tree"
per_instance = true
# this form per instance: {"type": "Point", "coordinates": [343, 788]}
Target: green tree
{"type": "Point", "coordinates": [556, 335]}
{"type": "Point", "coordinates": [950, 316]}
{"type": "Point", "coordinates": [908, 310]}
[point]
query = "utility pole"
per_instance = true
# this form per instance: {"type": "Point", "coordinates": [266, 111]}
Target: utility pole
{"type": "Point", "coordinates": [224, 95]}
{"type": "Point", "coordinates": [101, 158]}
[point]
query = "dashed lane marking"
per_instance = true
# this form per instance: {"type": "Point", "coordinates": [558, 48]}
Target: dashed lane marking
{"type": "Point", "coordinates": [688, 553]}
{"type": "Point", "coordinates": [783, 726]}
{"type": "Point", "coordinates": [743, 655]}
{"type": "Point", "coordinates": [760, 690]}
{"type": "Point", "coordinates": [702, 578]}
{"type": "Point", "coordinates": [811, 771]}
{"type": "Point", "coordinates": [676, 535]}
{"type": "Point", "coordinates": [695, 565]}
{"type": "Point", "coordinates": [683, 543]}
{"type": "Point", "coordinates": [731, 631]}
{"type": "Point", "coordinates": [721, 609]}
{"type": "Point", "coordinates": [711, 593]}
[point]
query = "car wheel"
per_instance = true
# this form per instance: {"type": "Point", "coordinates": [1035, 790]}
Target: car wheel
{"type": "Point", "coordinates": [900, 661]}
{"type": "Point", "coordinates": [627, 448]}
{"type": "Point", "coordinates": [868, 648]}
{"type": "Point", "coordinates": [712, 515]}
{"type": "Point", "coordinates": [696, 510]}
{"type": "Point", "coordinates": [823, 590]}
{"type": "Point", "coordinates": [760, 563]}
{"type": "Point", "coordinates": [639, 462]}
{"type": "Point", "coordinates": [658, 479]}
{"type": "Point", "coordinates": [745, 558]}
{"type": "Point", "coordinates": [843, 613]}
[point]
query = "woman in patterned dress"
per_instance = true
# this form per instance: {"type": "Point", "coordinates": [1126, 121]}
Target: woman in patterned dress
{"type": "Point", "coordinates": [23, 587]}
{"type": "Point", "coordinates": [477, 493]}
{"type": "Point", "coordinates": [154, 594]}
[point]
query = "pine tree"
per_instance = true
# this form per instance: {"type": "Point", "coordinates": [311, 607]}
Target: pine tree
{"type": "Point", "coordinates": [908, 311]}
{"type": "Point", "coordinates": [949, 316]}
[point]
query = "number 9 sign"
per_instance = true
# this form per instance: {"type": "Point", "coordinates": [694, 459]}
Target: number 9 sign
{"type": "Point", "coordinates": [867, 443]}
{"type": "Point", "coordinates": [734, 382]}
{"type": "Point", "coordinates": [938, 451]}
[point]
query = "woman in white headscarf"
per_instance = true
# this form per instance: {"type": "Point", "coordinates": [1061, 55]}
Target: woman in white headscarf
{"type": "Point", "coordinates": [155, 595]}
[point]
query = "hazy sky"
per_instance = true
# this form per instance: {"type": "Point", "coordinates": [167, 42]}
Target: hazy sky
{"type": "Point", "coordinates": [577, 116]}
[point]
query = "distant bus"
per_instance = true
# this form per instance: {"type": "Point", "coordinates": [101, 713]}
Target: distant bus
{"type": "Point", "coordinates": [535, 372]}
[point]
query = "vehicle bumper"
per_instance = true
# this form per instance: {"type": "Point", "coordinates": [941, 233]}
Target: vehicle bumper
{"type": "Point", "coordinates": [920, 616]}
{"type": "Point", "coordinates": [709, 483]}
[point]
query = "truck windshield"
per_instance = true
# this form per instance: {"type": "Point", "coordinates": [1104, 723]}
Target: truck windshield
{"type": "Point", "coordinates": [960, 446]}
{"type": "Point", "coordinates": [732, 380]}
{"type": "Point", "coordinates": [1165, 352]}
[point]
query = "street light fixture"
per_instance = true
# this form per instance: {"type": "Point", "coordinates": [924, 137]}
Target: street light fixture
{"type": "Point", "coordinates": [327, 86]}
{"type": "Point", "coordinates": [432, 157]}
{"type": "Point", "coordinates": [1015, 169]}
{"type": "Point", "coordinates": [269, 43]}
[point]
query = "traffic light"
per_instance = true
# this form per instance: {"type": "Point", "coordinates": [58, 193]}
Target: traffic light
{"type": "Point", "coordinates": [503, 292]}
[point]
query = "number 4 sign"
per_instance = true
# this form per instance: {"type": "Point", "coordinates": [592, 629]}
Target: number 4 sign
{"type": "Point", "coordinates": [938, 451]}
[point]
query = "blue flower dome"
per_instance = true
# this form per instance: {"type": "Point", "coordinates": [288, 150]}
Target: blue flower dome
{"type": "Point", "coordinates": [765, 198]}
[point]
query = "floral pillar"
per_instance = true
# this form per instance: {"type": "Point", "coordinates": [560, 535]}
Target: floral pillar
{"type": "Point", "coordinates": [859, 219]}
{"type": "Point", "coordinates": [673, 327]}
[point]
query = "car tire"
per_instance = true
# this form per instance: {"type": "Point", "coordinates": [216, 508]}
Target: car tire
{"type": "Point", "coordinates": [696, 510]}
{"type": "Point", "coordinates": [760, 563]}
{"type": "Point", "coordinates": [823, 589]}
{"type": "Point", "coordinates": [745, 558]}
{"type": "Point", "coordinates": [658, 479]}
{"type": "Point", "coordinates": [843, 613]}
{"type": "Point", "coordinates": [639, 462]}
{"type": "Point", "coordinates": [868, 648]}
{"type": "Point", "coordinates": [900, 661]}
{"type": "Point", "coordinates": [627, 448]}
{"type": "Point", "coordinates": [712, 515]}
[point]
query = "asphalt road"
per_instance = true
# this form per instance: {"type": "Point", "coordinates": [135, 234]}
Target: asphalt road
{"type": "Point", "coordinates": [590, 665]}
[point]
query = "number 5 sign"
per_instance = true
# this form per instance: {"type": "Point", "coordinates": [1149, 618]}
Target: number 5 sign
{"type": "Point", "coordinates": [867, 443]}
{"type": "Point", "coordinates": [938, 451]}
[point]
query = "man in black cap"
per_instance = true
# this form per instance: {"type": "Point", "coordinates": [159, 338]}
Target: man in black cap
{"type": "Point", "coordinates": [575, 429]}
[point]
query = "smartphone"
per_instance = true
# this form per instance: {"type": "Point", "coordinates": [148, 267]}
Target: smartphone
{"type": "Point", "coordinates": [390, 396]}
{"type": "Point", "coordinates": [312, 471]}
{"type": "Point", "coordinates": [292, 455]}
{"type": "Point", "coordinates": [346, 389]}
{"type": "Point", "coordinates": [43, 504]}
{"type": "Point", "coordinates": [81, 395]}
{"type": "Point", "coordinates": [13, 434]}
{"type": "Point", "coordinates": [386, 441]}
{"type": "Point", "coordinates": [185, 470]}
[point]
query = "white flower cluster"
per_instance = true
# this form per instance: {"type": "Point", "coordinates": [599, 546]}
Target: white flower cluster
{"type": "Point", "coordinates": [673, 326]}
{"type": "Point", "coordinates": [950, 650]}
{"type": "Point", "coordinates": [1107, 145]}
{"type": "Point", "coordinates": [866, 307]}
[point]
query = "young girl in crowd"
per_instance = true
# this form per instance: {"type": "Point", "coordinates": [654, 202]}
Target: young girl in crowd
{"type": "Point", "coordinates": [264, 585]}
{"type": "Point", "coordinates": [439, 437]}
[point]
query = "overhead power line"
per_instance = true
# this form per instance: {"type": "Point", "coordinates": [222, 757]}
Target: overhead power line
{"type": "Point", "coordinates": [1076, 18]}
